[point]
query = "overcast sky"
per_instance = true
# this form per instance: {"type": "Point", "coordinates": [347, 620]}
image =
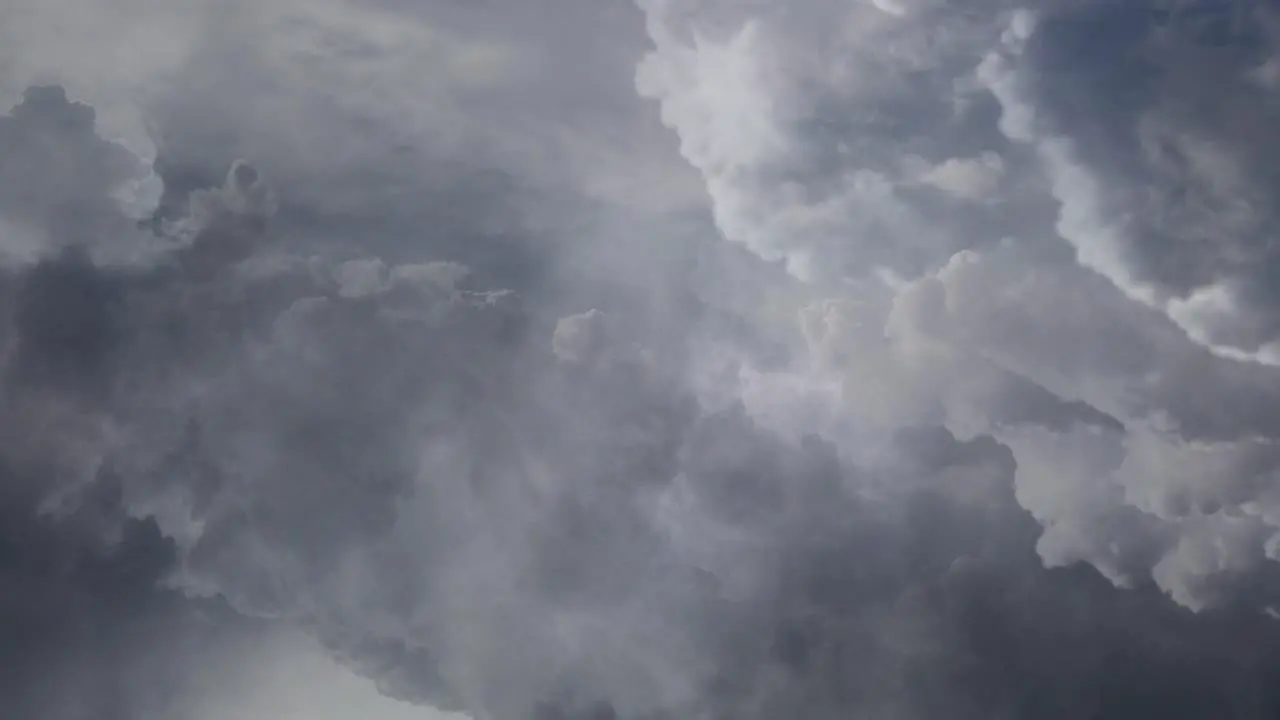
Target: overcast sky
{"type": "Point", "coordinates": [639, 359]}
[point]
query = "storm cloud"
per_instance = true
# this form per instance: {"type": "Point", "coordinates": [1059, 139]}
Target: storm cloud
{"type": "Point", "coordinates": [708, 360]}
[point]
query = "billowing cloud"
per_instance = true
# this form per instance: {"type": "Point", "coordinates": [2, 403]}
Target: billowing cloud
{"type": "Point", "coordinates": [1161, 187]}
{"type": "Point", "coordinates": [1100, 170]}
{"type": "Point", "coordinates": [954, 401]}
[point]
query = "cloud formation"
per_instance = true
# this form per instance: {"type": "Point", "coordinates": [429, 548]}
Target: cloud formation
{"type": "Point", "coordinates": [957, 401]}
{"type": "Point", "coordinates": [1098, 176]}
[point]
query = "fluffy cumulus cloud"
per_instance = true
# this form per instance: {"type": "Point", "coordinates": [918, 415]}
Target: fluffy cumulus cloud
{"type": "Point", "coordinates": [710, 359]}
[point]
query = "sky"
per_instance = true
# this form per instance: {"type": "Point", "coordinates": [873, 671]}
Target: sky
{"type": "Point", "coordinates": [639, 359]}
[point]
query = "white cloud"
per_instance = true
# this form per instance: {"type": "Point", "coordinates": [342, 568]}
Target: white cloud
{"type": "Point", "coordinates": [967, 178]}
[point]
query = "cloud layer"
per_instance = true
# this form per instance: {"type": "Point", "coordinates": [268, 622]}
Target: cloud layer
{"type": "Point", "coordinates": [957, 398]}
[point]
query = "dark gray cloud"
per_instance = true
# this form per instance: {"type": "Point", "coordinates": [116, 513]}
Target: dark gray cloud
{"type": "Point", "coordinates": [88, 632]}
{"type": "Point", "coordinates": [513, 446]}
{"type": "Point", "coordinates": [58, 176]}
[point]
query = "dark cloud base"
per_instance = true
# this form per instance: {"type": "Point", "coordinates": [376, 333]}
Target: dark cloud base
{"type": "Point", "coordinates": [88, 630]}
{"type": "Point", "coordinates": [912, 591]}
